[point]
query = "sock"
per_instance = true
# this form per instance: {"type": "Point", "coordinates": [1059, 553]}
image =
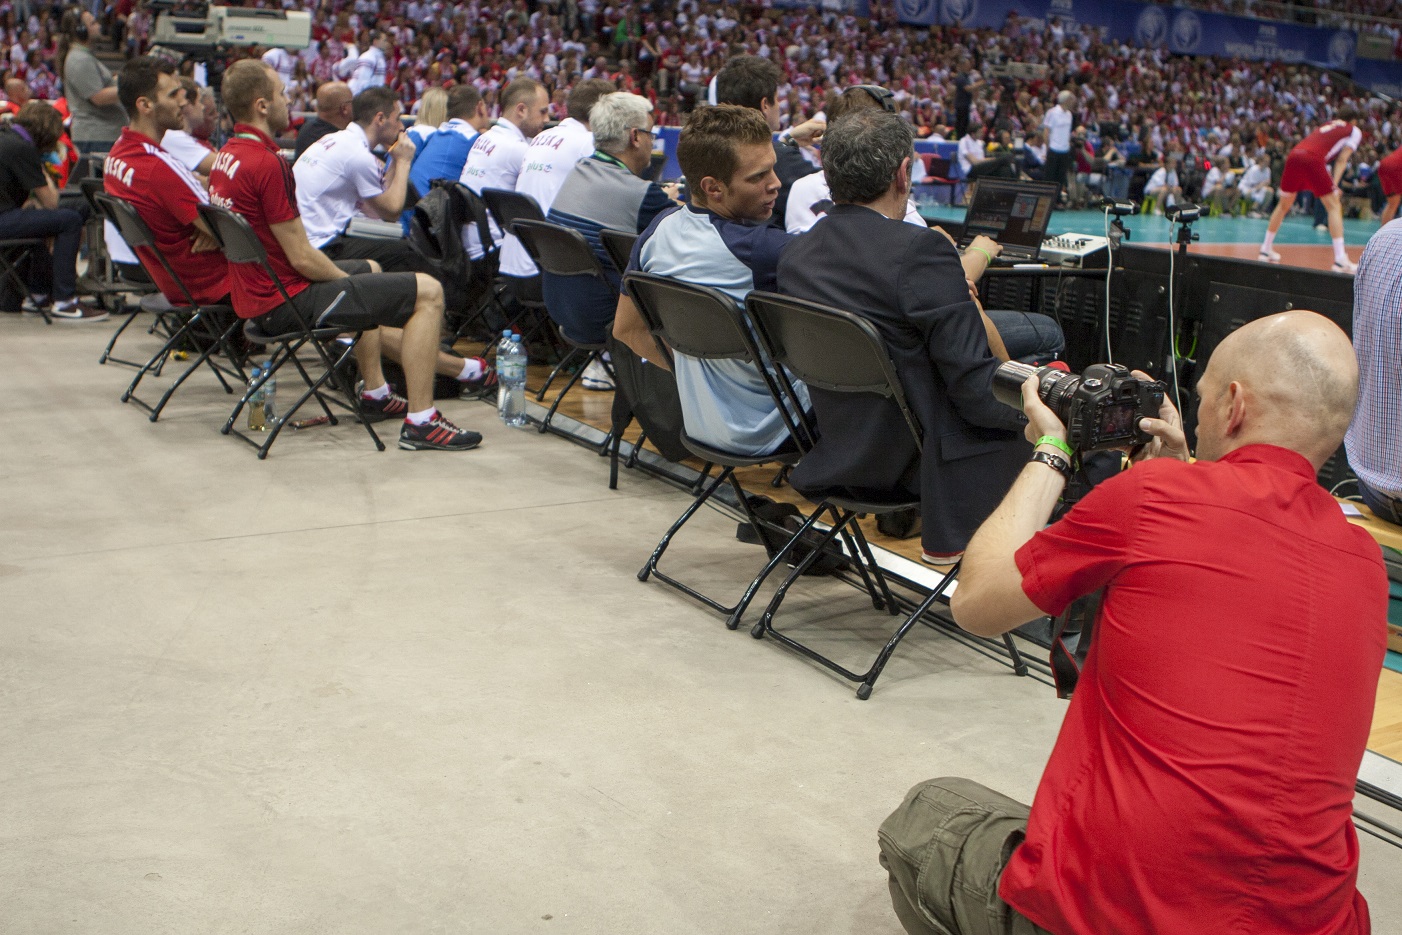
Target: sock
{"type": "Point", "coordinates": [471, 369]}
{"type": "Point", "coordinates": [381, 393]}
{"type": "Point", "coordinates": [1340, 254]}
{"type": "Point", "coordinates": [419, 418]}
{"type": "Point", "coordinates": [1270, 239]}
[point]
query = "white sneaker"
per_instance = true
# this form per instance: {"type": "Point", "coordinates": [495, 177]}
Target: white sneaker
{"type": "Point", "coordinates": [76, 312]}
{"type": "Point", "coordinates": [1270, 256]}
{"type": "Point", "coordinates": [596, 377]}
{"type": "Point", "coordinates": [1347, 266]}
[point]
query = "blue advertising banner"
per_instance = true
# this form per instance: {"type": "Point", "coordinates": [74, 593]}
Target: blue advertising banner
{"type": "Point", "coordinates": [860, 8]}
{"type": "Point", "coordinates": [1182, 31]}
{"type": "Point", "coordinates": [1379, 77]}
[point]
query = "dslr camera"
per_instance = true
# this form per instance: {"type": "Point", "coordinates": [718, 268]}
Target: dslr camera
{"type": "Point", "coordinates": [1100, 408]}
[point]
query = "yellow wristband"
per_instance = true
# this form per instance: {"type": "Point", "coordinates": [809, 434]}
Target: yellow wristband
{"type": "Point", "coordinates": [1055, 443]}
{"type": "Point", "coordinates": [985, 253]}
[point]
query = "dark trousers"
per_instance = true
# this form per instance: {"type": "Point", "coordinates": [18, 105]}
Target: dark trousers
{"type": "Point", "coordinates": [1029, 337]}
{"type": "Point", "coordinates": [58, 277]}
{"type": "Point", "coordinates": [1058, 167]}
{"type": "Point", "coordinates": [1383, 506]}
{"type": "Point", "coordinates": [394, 256]}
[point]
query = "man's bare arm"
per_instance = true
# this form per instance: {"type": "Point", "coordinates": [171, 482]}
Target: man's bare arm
{"type": "Point", "coordinates": [305, 259]}
{"type": "Point", "coordinates": [629, 327]}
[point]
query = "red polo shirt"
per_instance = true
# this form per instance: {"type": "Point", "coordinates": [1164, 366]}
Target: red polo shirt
{"type": "Point", "coordinates": [1203, 777]}
{"type": "Point", "coordinates": [167, 197]}
{"type": "Point", "coordinates": [251, 178]}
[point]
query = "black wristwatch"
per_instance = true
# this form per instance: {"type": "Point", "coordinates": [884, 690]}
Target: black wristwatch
{"type": "Point", "coordinates": [1054, 461]}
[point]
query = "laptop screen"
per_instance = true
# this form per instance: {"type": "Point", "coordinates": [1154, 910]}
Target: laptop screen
{"type": "Point", "coordinates": [1013, 213]}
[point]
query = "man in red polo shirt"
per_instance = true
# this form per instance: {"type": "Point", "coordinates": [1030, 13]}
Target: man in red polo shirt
{"type": "Point", "coordinates": [1203, 779]}
{"type": "Point", "coordinates": [251, 178]}
{"type": "Point", "coordinates": [161, 188]}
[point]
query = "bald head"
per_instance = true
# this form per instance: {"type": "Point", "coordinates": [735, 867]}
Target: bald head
{"type": "Point", "coordinates": [16, 91]}
{"type": "Point", "coordinates": [1289, 379]}
{"type": "Point", "coordinates": [333, 103]}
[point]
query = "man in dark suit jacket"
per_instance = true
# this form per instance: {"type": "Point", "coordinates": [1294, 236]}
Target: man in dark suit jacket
{"type": "Point", "coordinates": [908, 282]}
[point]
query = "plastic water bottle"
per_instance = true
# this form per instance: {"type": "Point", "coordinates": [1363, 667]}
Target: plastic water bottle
{"type": "Point", "coordinates": [257, 403]}
{"type": "Point", "coordinates": [511, 383]}
{"type": "Point", "coordinates": [270, 401]}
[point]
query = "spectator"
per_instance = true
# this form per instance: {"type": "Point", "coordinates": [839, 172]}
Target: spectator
{"type": "Point", "coordinates": [29, 208]}
{"type": "Point", "coordinates": [753, 82]}
{"type": "Point", "coordinates": [607, 190]}
{"type": "Point", "coordinates": [182, 142]}
{"type": "Point", "coordinates": [283, 62]}
{"type": "Point", "coordinates": [432, 113]}
{"type": "Point", "coordinates": [88, 85]}
{"type": "Point", "coordinates": [548, 161]}
{"type": "Point", "coordinates": [968, 81]}
{"type": "Point", "coordinates": [333, 114]}
{"type": "Point", "coordinates": [720, 239]}
{"type": "Point", "coordinates": [1255, 185]}
{"type": "Point", "coordinates": [371, 66]}
{"type": "Point", "coordinates": [251, 178]}
{"type": "Point", "coordinates": [1131, 831]}
{"type": "Point", "coordinates": [1164, 185]}
{"type": "Point", "coordinates": [1057, 123]}
{"type": "Point", "coordinates": [910, 283]}
{"type": "Point", "coordinates": [1377, 342]}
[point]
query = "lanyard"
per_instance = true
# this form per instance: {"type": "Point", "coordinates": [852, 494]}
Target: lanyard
{"type": "Point", "coordinates": [612, 160]}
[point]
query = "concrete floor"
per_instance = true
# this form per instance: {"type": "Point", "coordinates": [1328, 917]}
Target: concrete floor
{"type": "Point", "coordinates": [346, 692]}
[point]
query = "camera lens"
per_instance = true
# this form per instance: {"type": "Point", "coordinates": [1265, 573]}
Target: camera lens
{"type": "Point", "coordinates": [1056, 390]}
{"type": "Point", "coordinates": [1008, 380]}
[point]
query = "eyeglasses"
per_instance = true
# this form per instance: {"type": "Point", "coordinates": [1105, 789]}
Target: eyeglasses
{"type": "Point", "coordinates": [883, 96]}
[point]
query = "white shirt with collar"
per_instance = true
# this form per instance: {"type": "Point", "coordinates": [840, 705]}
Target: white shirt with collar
{"type": "Point", "coordinates": [369, 70]}
{"type": "Point", "coordinates": [493, 162]}
{"type": "Point", "coordinates": [189, 151]}
{"type": "Point", "coordinates": [551, 156]}
{"type": "Point", "coordinates": [1058, 125]}
{"type": "Point", "coordinates": [334, 176]}
{"type": "Point", "coordinates": [810, 191]}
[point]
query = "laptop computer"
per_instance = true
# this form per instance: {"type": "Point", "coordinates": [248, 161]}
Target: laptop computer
{"type": "Point", "coordinates": [1014, 213]}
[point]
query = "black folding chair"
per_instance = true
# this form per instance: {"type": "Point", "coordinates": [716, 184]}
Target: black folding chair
{"type": "Point", "coordinates": [241, 245]}
{"type": "Point", "coordinates": [560, 251]}
{"type": "Point", "coordinates": [105, 281]}
{"type": "Point", "coordinates": [12, 253]}
{"type": "Point", "coordinates": [211, 326]}
{"type": "Point", "coordinates": [706, 324]}
{"type": "Point", "coordinates": [506, 208]}
{"type": "Point", "coordinates": [619, 246]}
{"type": "Point", "coordinates": [842, 353]}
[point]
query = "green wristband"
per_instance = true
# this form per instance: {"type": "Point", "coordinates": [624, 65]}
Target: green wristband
{"type": "Point", "coordinates": [985, 253]}
{"type": "Point", "coordinates": [1056, 443]}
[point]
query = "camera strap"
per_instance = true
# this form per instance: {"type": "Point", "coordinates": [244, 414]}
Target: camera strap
{"type": "Point", "coordinates": [1071, 637]}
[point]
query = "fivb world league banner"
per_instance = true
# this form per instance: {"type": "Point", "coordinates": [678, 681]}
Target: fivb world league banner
{"type": "Point", "coordinates": [1183, 31]}
{"type": "Point", "coordinates": [860, 8]}
{"type": "Point", "coordinates": [1379, 77]}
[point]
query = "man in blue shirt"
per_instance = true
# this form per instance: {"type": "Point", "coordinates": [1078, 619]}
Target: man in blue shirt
{"type": "Point", "coordinates": [604, 191]}
{"type": "Point", "coordinates": [722, 239]}
{"type": "Point", "coordinates": [445, 153]}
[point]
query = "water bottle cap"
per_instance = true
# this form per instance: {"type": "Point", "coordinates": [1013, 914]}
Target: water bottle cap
{"type": "Point", "coordinates": [515, 339]}
{"type": "Point", "coordinates": [506, 332]}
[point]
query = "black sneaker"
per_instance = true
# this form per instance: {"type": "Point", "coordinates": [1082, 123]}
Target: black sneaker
{"type": "Point", "coordinates": [378, 410]}
{"type": "Point", "coordinates": [437, 434]}
{"type": "Point", "coordinates": [480, 387]}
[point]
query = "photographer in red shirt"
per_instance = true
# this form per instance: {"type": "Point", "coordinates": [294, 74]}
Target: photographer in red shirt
{"type": "Point", "coordinates": [1203, 779]}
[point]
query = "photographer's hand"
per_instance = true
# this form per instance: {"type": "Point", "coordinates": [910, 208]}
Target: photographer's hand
{"type": "Point", "coordinates": [1041, 421]}
{"type": "Point", "coordinates": [1169, 440]}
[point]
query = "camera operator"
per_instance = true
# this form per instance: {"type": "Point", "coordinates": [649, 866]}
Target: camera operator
{"type": "Point", "coordinates": [1204, 775]}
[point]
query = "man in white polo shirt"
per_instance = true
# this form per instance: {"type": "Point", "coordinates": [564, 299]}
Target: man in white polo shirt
{"type": "Point", "coordinates": [338, 178]}
{"type": "Point", "coordinates": [1058, 122]}
{"type": "Point", "coordinates": [371, 66]}
{"type": "Point", "coordinates": [549, 159]}
{"type": "Point", "coordinates": [496, 158]}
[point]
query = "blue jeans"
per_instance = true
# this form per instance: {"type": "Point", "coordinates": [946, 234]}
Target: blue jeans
{"type": "Point", "coordinates": [1383, 507]}
{"type": "Point", "coordinates": [1029, 337]}
{"type": "Point", "coordinates": [59, 277]}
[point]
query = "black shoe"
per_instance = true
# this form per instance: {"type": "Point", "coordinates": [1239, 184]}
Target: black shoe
{"type": "Point", "coordinates": [378, 410]}
{"type": "Point", "coordinates": [480, 387]}
{"type": "Point", "coordinates": [437, 434]}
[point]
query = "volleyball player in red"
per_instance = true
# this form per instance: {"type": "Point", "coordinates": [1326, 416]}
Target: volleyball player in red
{"type": "Point", "coordinates": [1307, 169]}
{"type": "Point", "coordinates": [1390, 175]}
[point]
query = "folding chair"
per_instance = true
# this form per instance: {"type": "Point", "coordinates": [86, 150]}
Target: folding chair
{"type": "Point", "coordinates": [561, 251]}
{"type": "Point", "coordinates": [619, 246]}
{"type": "Point", "coordinates": [842, 353]}
{"type": "Point", "coordinates": [210, 325]}
{"type": "Point", "coordinates": [241, 245]}
{"type": "Point", "coordinates": [12, 253]}
{"type": "Point", "coordinates": [104, 279]}
{"type": "Point", "coordinates": [706, 323]}
{"type": "Point", "coordinates": [506, 208]}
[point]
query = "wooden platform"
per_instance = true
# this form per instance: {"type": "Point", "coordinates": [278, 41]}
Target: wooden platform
{"type": "Point", "coordinates": [593, 408]}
